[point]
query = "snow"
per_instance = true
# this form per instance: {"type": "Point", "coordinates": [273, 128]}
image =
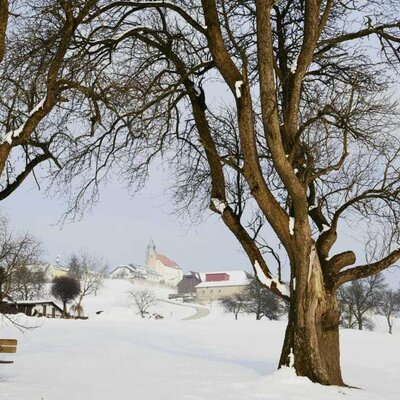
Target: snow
{"type": "Point", "coordinates": [313, 252]}
{"type": "Point", "coordinates": [238, 85]}
{"type": "Point", "coordinates": [114, 302]}
{"type": "Point", "coordinates": [282, 287]}
{"type": "Point", "coordinates": [291, 225]}
{"type": "Point", "coordinates": [197, 90]}
{"type": "Point", "coordinates": [296, 170]}
{"type": "Point", "coordinates": [219, 205]}
{"type": "Point", "coordinates": [325, 228]}
{"type": "Point", "coordinates": [291, 358]}
{"type": "Point", "coordinates": [293, 65]}
{"type": "Point", "coordinates": [8, 137]}
{"type": "Point", "coordinates": [236, 278]}
{"type": "Point", "coordinates": [211, 358]}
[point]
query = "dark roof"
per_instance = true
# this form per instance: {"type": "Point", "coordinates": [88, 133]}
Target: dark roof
{"type": "Point", "coordinates": [32, 302]}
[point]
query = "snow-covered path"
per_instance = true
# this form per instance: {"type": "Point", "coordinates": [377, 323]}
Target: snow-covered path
{"type": "Point", "coordinates": [199, 312]}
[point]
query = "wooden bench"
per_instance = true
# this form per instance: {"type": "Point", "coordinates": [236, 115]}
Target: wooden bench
{"type": "Point", "coordinates": [8, 346]}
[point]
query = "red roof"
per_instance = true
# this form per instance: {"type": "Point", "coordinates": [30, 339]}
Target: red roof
{"type": "Point", "coordinates": [167, 261]}
{"type": "Point", "coordinates": [217, 276]}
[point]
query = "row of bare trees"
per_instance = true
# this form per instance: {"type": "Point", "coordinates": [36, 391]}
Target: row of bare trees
{"type": "Point", "coordinates": [276, 115]}
{"type": "Point", "coordinates": [23, 274]}
{"type": "Point", "coordinates": [256, 300]}
{"type": "Point", "coordinates": [361, 300]}
{"type": "Point", "coordinates": [18, 255]}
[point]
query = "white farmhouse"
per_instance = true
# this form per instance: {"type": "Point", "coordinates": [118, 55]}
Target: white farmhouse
{"type": "Point", "coordinates": [132, 271]}
{"type": "Point", "coordinates": [216, 285]}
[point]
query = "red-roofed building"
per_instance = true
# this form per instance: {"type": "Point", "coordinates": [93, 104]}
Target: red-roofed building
{"type": "Point", "coordinates": [169, 270]}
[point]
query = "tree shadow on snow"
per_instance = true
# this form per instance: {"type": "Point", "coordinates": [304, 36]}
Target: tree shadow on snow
{"type": "Point", "coordinates": [261, 367]}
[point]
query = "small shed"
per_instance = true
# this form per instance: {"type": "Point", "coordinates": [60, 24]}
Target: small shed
{"type": "Point", "coordinates": [39, 308]}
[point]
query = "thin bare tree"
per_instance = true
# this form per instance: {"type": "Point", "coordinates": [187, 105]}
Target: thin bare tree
{"type": "Point", "coordinates": [89, 271]}
{"type": "Point", "coordinates": [143, 299]}
{"type": "Point", "coordinates": [389, 306]}
{"type": "Point", "coordinates": [359, 300]}
{"type": "Point", "coordinates": [17, 254]}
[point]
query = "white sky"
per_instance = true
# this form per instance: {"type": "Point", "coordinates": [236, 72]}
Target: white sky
{"type": "Point", "coordinates": [119, 228]}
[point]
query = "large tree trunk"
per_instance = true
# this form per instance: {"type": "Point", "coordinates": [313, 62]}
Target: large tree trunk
{"type": "Point", "coordinates": [312, 334]}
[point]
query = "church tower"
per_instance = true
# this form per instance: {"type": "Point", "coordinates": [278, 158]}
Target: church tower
{"type": "Point", "coordinates": [151, 255]}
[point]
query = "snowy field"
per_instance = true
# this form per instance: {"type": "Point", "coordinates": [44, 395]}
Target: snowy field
{"type": "Point", "coordinates": [119, 356]}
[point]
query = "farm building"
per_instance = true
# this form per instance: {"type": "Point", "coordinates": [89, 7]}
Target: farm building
{"type": "Point", "coordinates": [45, 308]}
{"type": "Point", "coordinates": [221, 284]}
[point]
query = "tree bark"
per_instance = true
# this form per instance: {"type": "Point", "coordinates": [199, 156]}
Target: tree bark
{"type": "Point", "coordinates": [312, 333]}
{"type": "Point", "coordinates": [64, 314]}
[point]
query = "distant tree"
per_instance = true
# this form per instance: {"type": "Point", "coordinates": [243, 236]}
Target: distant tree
{"type": "Point", "coordinates": [234, 304]}
{"type": "Point", "coordinates": [65, 289]}
{"type": "Point", "coordinates": [143, 299]}
{"type": "Point", "coordinates": [17, 253]}
{"type": "Point", "coordinates": [3, 277]}
{"type": "Point", "coordinates": [74, 267]}
{"type": "Point", "coordinates": [261, 302]}
{"type": "Point", "coordinates": [389, 306]}
{"type": "Point", "coordinates": [358, 299]}
{"type": "Point", "coordinates": [89, 271]}
{"type": "Point", "coordinates": [28, 283]}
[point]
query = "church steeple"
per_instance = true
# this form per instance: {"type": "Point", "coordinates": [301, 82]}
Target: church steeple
{"type": "Point", "coordinates": [151, 254]}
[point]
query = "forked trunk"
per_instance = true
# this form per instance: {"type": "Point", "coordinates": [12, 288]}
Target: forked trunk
{"type": "Point", "coordinates": [312, 334]}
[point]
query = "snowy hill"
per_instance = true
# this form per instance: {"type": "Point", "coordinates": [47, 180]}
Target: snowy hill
{"type": "Point", "coordinates": [114, 302]}
{"type": "Point", "coordinates": [119, 356]}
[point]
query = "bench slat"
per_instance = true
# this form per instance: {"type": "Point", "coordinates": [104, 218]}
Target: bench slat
{"type": "Point", "coordinates": [8, 342]}
{"type": "Point", "coordinates": [5, 349]}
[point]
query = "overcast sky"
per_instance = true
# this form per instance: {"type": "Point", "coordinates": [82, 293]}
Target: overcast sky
{"type": "Point", "coordinates": [120, 226]}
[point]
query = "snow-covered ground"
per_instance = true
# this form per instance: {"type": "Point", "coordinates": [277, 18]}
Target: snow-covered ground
{"type": "Point", "coordinates": [114, 302]}
{"type": "Point", "coordinates": [119, 356]}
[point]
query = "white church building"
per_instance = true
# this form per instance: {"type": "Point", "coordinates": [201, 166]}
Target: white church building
{"type": "Point", "coordinates": [157, 268]}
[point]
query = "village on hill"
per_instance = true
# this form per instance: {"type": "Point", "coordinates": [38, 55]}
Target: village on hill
{"type": "Point", "coordinates": [158, 272]}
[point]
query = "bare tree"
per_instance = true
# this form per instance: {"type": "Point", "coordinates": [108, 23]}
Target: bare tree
{"type": "Point", "coordinates": [28, 282]}
{"type": "Point", "coordinates": [262, 302]}
{"type": "Point", "coordinates": [389, 306]}
{"type": "Point", "coordinates": [234, 304]}
{"type": "Point", "coordinates": [17, 254]}
{"type": "Point", "coordinates": [89, 271]}
{"type": "Point", "coordinates": [143, 299]}
{"type": "Point", "coordinates": [359, 300]}
{"type": "Point", "coordinates": [65, 289]}
{"type": "Point", "coordinates": [305, 139]}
